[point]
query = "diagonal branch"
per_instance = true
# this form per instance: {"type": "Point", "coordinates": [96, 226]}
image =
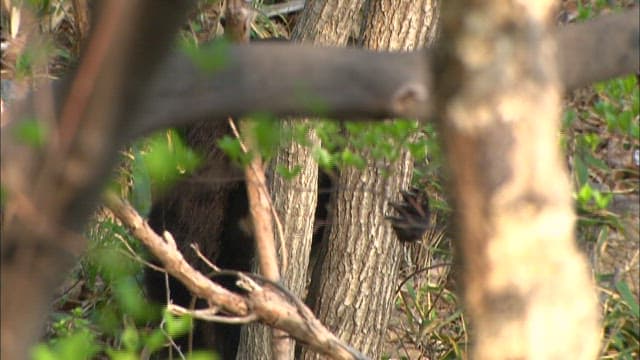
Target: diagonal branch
{"type": "Point", "coordinates": [264, 300]}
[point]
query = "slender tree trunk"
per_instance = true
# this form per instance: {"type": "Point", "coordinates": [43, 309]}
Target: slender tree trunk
{"type": "Point", "coordinates": [526, 287]}
{"type": "Point", "coordinates": [322, 23]}
{"type": "Point", "coordinates": [355, 278]}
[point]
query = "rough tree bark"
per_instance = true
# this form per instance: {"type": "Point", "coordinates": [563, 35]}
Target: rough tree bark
{"type": "Point", "coordinates": [527, 289]}
{"type": "Point", "coordinates": [323, 23]}
{"type": "Point", "coordinates": [356, 275]}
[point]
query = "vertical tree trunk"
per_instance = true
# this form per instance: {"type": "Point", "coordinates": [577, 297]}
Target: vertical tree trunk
{"type": "Point", "coordinates": [355, 279]}
{"type": "Point", "coordinates": [527, 288]}
{"type": "Point", "coordinates": [322, 23]}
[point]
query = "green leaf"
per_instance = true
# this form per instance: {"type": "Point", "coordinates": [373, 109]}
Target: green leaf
{"type": "Point", "coordinates": [132, 301]}
{"type": "Point", "coordinates": [232, 147]}
{"type": "Point", "coordinates": [24, 65]}
{"type": "Point", "coordinates": [581, 170]}
{"type": "Point", "coordinates": [3, 196]}
{"type": "Point", "coordinates": [78, 346]}
{"type": "Point", "coordinates": [122, 355]}
{"type": "Point", "coordinates": [130, 338]}
{"type": "Point", "coordinates": [202, 355]}
{"type": "Point", "coordinates": [602, 200]}
{"type": "Point", "coordinates": [177, 325]}
{"type": "Point", "coordinates": [349, 158]}
{"type": "Point", "coordinates": [31, 132]}
{"type": "Point", "coordinates": [43, 352]}
{"type": "Point", "coordinates": [140, 196]}
{"type": "Point", "coordinates": [411, 290]}
{"type": "Point", "coordinates": [418, 150]}
{"type": "Point", "coordinates": [155, 341]}
{"type": "Point", "coordinates": [210, 57]}
{"type": "Point", "coordinates": [628, 298]}
{"type": "Point", "coordinates": [592, 161]}
{"type": "Point", "coordinates": [168, 158]}
{"type": "Point", "coordinates": [267, 134]}
{"type": "Point", "coordinates": [592, 140]}
{"type": "Point", "coordinates": [323, 157]}
{"type": "Point", "coordinates": [287, 173]}
{"type": "Point", "coordinates": [568, 118]}
{"type": "Point", "coordinates": [584, 194]}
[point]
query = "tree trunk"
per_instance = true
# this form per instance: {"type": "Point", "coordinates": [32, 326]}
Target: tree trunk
{"type": "Point", "coordinates": [356, 276]}
{"type": "Point", "coordinates": [527, 289]}
{"type": "Point", "coordinates": [322, 23]}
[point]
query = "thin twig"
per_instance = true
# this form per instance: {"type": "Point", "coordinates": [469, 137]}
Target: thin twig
{"type": "Point", "coordinates": [213, 267]}
{"type": "Point", "coordinates": [210, 314]}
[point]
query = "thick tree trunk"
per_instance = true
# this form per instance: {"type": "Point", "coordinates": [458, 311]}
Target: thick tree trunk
{"type": "Point", "coordinates": [322, 23]}
{"type": "Point", "coordinates": [355, 278]}
{"type": "Point", "coordinates": [526, 287]}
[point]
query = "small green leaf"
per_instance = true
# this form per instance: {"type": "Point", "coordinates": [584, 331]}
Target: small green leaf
{"type": "Point", "coordinates": [287, 173]}
{"type": "Point", "coordinates": [592, 161]}
{"type": "Point", "coordinates": [584, 194]}
{"type": "Point", "coordinates": [79, 346]}
{"type": "Point", "coordinates": [349, 158]}
{"type": "Point", "coordinates": [568, 118]}
{"type": "Point", "coordinates": [323, 157]}
{"type": "Point", "coordinates": [168, 158]}
{"type": "Point", "coordinates": [31, 132]}
{"type": "Point", "coordinates": [411, 290]}
{"type": "Point", "coordinates": [602, 200]}
{"type": "Point", "coordinates": [122, 355]}
{"type": "Point", "coordinates": [210, 57]}
{"type": "Point", "coordinates": [3, 195]}
{"type": "Point", "coordinates": [140, 196]}
{"type": "Point", "coordinates": [177, 325]}
{"type": "Point", "coordinates": [155, 341]}
{"type": "Point", "coordinates": [132, 301]}
{"type": "Point", "coordinates": [267, 134]}
{"type": "Point", "coordinates": [581, 170]}
{"type": "Point", "coordinates": [624, 121]}
{"type": "Point", "coordinates": [233, 149]}
{"type": "Point", "coordinates": [628, 298]}
{"type": "Point", "coordinates": [130, 338]}
{"type": "Point", "coordinates": [202, 355]}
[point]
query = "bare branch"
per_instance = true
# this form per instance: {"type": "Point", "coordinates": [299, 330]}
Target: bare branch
{"type": "Point", "coordinates": [354, 84]}
{"type": "Point", "coordinates": [265, 300]}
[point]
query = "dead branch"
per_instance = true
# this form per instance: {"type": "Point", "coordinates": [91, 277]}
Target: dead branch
{"type": "Point", "coordinates": [265, 300]}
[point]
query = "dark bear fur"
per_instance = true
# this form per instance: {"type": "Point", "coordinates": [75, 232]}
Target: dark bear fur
{"type": "Point", "coordinates": [206, 209]}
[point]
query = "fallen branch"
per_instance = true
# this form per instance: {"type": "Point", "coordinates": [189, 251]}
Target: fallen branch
{"type": "Point", "coordinates": [264, 300]}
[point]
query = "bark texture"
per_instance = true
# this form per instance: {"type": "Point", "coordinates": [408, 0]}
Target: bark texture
{"type": "Point", "coordinates": [322, 23]}
{"type": "Point", "coordinates": [355, 278]}
{"type": "Point", "coordinates": [527, 289]}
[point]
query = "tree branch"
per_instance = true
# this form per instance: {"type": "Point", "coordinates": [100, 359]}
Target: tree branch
{"type": "Point", "coordinates": [265, 300]}
{"type": "Point", "coordinates": [343, 83]}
